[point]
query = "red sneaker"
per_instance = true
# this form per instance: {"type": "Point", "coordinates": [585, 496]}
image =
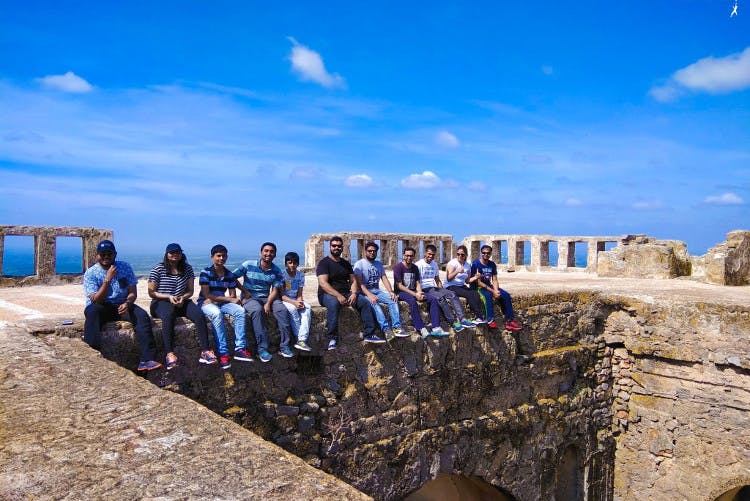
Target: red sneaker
{"type": "Point", "coordinates": [225, 361]}
{"type": "Point", "coordinates": [513, 325]}
{"type": "Point", "coordinates": [492, 324]}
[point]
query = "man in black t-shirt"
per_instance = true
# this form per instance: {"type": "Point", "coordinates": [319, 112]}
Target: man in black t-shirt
{"type": "Point", "coordinates": [337, 287]}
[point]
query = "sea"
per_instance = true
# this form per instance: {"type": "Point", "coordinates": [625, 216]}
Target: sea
{"type": "Point", "coordinates": [20, 261]}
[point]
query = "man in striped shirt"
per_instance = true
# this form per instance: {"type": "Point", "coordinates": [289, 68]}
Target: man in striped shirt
{"type": "Point", "coordinates": [261, 283]}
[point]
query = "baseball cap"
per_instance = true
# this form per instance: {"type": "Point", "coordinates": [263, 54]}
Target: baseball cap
{"type": "Point", "coordinates": [173, 248]}
{"type": "Point", "coordinates": [105, 246]}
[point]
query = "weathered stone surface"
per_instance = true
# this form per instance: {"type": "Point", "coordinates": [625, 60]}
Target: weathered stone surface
{"type": "Point", "coordinates": [644, 257]}
{"type": "Point", "coordinates": [728, 263]}
{"type": "Point", "coordinates": [392, 417]}
{"type": "Point", "coordinates": [73, 425]}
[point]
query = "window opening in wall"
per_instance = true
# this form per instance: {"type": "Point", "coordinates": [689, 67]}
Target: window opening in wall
{"type": "Point", "coordinates": [68, 255]}
{"type": "Point", "coordinates": [581, 254]}
{"type": "Point", "coordinates": [526, 252]}
{"type": "Point", "coordinates": [503, 257]}
{"type": "Point", "coordinates": [18, 256]}
{"type": "Point", "coordinates": [608, 246]}
{"type": "Point", "coordinates": [552, 257]}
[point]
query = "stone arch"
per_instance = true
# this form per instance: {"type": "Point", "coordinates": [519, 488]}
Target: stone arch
{"type": "Point", "coordinates": [569, 475]}
{"type": "Point", "coordinates": [449, 486]}
{"type": "Point", "coordinates": [737, 489]}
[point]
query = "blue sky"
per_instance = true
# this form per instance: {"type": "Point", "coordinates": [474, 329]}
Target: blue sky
{"type": "Point", "coordinates": [240, 122]}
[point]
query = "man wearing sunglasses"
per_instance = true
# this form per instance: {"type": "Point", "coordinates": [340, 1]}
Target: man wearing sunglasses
{"type": "Point", "coordinates": [489, 290]}
{"type": "Point", "coordinates": [111, 289]}
{"type": "Point", "coordinates": [337, 287]}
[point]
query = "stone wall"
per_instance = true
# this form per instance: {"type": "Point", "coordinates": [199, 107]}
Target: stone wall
{"type": "Point", "coordinates": [389, 418]}
{"type": "Point", "coordinates": [682, 396]}
{"type": "Point", "coordinates": [729, 262]}
{"type": "Point", "coordinates": [45, 252]}
{"type": "Point", "coordinates": [639, 256]}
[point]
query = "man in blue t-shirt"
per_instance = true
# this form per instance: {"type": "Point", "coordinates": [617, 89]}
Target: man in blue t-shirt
{"type": "Point", "coordinates": [489, 290]}
{"type": "Point", "coordinates": [215, 281]}
{"type": "Point", "coordinates": [337, 287]}
{"type": "Point", "coordinates": [261, 282]}
{"type": "Point", "coordinates": [111, 289]}
{"type": "Point", "coordinates": [369, 272]}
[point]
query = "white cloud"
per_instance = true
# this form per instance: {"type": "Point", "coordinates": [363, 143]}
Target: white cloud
{"type": "Point", "coordinates": [310, 67]}
{"type": "Point", "coordinates": [724, 199]}
{"type": "Point", "coordinates": [446, 139]}
{"type": "Point", "coordinates": [359, 181]}
{"type": "Point", "coordinates": [69, 82]}
{"type": "Point", "coordinates": [710, 74]}
{"type": "Point", "coordinates": [305, 173]}
{"type": "Point", "coordinates": [424, 181]}
{"type": "Point", "coordinates": [573, 202]}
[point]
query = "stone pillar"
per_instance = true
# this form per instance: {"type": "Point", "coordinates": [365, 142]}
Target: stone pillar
{"type": "Point", "coordinates": [2, 251]}
{"type": "Point", "coordinates": [544, 253]}
{"type": "Point", "coordinates": [473, 250]}
{"type": "Point", "coordinates": [347, 254]}
{"type": "Point", "coordinates": [566, 251]}
{"type": "Point", "coordinates": [313, 251]}
{"type": "Point", "coordinates": [594, 246]}
{"type": "Point", "coordinates": [388, 252]}
{"type": "Point", "coordinates": [535, 253]}
{"type": "Point", "coordinates": [45, 254]}
{"type": "Point", "coordinates": [497, 251]}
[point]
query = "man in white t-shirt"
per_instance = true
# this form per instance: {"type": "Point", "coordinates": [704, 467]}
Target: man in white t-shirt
{"type": "Point", "coordinates": [432, 286]}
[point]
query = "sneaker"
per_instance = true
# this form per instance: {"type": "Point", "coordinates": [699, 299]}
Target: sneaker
{"type": "Point", "coordinates": [492, 324]}
{"type": "Point", "coordinates": [243, 355]}
{"type": "Point", "coordinates": [285, 352]}
{"type": "Point", "coordinates": [373, 338]}
{"type": "Point", "coordinates": [458, 326]}
{"type": "Point", "coordinates": [438, 332]}
{"type": "Point", "coordinates": [149, 365]}
{"type": "Point", "coordinates": [478, 321]}
{"type": "Point", "coordinates": [399, 332]}
{"type": "Point", "coordinates": [208, 357]}
{"type": "Point", "coordinates": [424, 332]}
{"type": "Point", "coordinates": [332, 344]}
{"type": "Point", "coordinates": [467, 324]}
{"type": "Point", "coordinates": [264, 356]}
{"type": "Point", "coordinates": [388, 334]}
{"type": "Point", "coordinates": [225, 361]}
{"type": "Point", "coordinates": [303, 346]}
{"type": "Point", "coordinates": [512, 325]}
{"type": "Point", "coordinates": [171, 362]}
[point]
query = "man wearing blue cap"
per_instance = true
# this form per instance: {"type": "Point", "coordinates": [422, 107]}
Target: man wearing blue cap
{"type": "Point", "coordinates": [111, 289]}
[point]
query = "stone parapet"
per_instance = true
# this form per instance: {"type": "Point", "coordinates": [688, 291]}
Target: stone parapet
{"type": "Point", "coordinates": [515, 247]}
{"type": "Point", "coordinates": [45, 252]}
{"type": "Point", "coordinates": [391, 244]}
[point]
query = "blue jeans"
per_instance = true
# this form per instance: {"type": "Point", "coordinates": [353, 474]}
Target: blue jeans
{"type": "Point", "coordinates": [300, 320]}
{"type": "Point", "coordinates": [215, 314]}
{"type": "Point", "coordinates": [332, 314]}
{"type": "Point", "coordinates": [385, 298]}
{"type": "Point", "coordinates": [254, 308]}
{"type": "Point", "coordinates": [446, 299]}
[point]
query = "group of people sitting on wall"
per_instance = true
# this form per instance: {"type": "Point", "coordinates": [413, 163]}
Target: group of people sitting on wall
{"type": "Point", "coordinates": [110, 287]}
